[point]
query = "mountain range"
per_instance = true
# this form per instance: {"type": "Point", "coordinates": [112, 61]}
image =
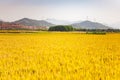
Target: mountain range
{"type": "Point", "coordinates": [31, 22]}
{"type": "Point", "coordinates": [39, 24]}
{"type": "Point", "coordinates": [116, 25]}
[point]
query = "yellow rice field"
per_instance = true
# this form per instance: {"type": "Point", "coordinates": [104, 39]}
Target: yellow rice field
{"type": "Point", "coordinates": [59, 56]}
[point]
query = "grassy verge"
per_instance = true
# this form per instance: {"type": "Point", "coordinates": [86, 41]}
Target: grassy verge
{"type": "Point", "coordinates": [18, 31]}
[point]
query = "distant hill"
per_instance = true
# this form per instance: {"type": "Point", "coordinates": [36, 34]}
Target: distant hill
{"type": "Point", "coordinates": [25, 23]}
{"type": "Point", "coordinates": [10, 25]}
{"type": "Point", "coordinates": [90, 25]}
{"type": "Point", "coordinates": [31, 22]}
{"type": "Point", "coordinates": [115, 25]}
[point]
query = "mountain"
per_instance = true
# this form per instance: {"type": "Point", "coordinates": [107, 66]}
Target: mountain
{"type": "Point", "coordinates": [10, 25]}
{"type": "Point", "coordinates": [34, 23]}
{"type": "Point", "coordinates": [26, 23]}
{"type": "Point", "coordinates": [90, 25]}
{"type": "Point", "coordinates": [115, 25]}
{"type": "Point", "coordinates": [59, 22]}
{"type": "Point", "coordinates": [0, 19]}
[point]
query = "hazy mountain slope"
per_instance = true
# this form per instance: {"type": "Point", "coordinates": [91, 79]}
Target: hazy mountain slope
{"type": "Point", "coordinates": [31, 22]}
{"type": "Point", "coordinates": [115, 25]}
{"type": "Point", "coordinates": [89, 25]}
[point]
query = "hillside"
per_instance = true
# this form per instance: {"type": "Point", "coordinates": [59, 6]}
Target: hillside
{"type": "Point", "coordinates": [10, 25]}
{"type": "Point", "coordinates": [31, 22]}
{"type": "Point", "coordinates": [25, 23]}
{"type": "Point", "coordinates": [90, 25]}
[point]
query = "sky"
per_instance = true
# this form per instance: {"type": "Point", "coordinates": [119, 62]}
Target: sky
{"type": "Point", "coordinates": [104, 11]}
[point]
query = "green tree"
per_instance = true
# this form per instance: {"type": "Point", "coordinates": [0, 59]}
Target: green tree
{"type": "Point", "coordinates": [61, 28]}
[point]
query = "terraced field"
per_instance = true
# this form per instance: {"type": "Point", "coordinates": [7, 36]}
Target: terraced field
{"type": "Point", "coordinates": [59, 56]}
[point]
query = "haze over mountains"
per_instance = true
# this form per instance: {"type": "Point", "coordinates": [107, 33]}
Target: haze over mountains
{"type": "Point", "coordinates": [79, 24]}
{"type": "Point", "coordinates": [115, 25]}
{"type": "Point", "coordinates": [60, 22]}
{"type": "Point", "coordinates": [90, 25]}
{"type": "Point", "coordinates": [31, 22]}
{"type": "Point", "coordinates": [37, 24]}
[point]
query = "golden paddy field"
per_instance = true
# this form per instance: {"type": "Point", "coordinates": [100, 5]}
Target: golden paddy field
{"type": "Point", "coordinates": [59, 56]}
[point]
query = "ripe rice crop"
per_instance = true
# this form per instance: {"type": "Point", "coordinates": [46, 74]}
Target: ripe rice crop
{"type": "Point", "coordinates": [59, 56]}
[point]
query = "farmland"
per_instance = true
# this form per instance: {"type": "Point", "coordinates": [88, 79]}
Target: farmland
{"type": "Point", "coordinates": [59, 56]}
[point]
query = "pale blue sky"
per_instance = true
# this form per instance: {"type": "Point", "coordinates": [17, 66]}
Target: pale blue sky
{"type": "Point", "coordinates": [105, 11]}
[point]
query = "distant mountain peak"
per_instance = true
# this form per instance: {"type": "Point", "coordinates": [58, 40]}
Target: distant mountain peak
{"type": "Point", "coordinates": [87, 21]}
{"type": "Point", "coordinates": [90, 25]}
{"type": "Point", "coordinates": [32, 22]}
{"type": "Point", "coordinates": [25, 18]}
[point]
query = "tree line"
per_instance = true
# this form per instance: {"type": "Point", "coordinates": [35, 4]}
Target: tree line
{"type": "Point", "coordinates": [70, 28]}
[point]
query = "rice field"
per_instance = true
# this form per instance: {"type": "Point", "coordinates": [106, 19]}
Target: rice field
{"type": "Point", "coordinates": [59, 56]}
